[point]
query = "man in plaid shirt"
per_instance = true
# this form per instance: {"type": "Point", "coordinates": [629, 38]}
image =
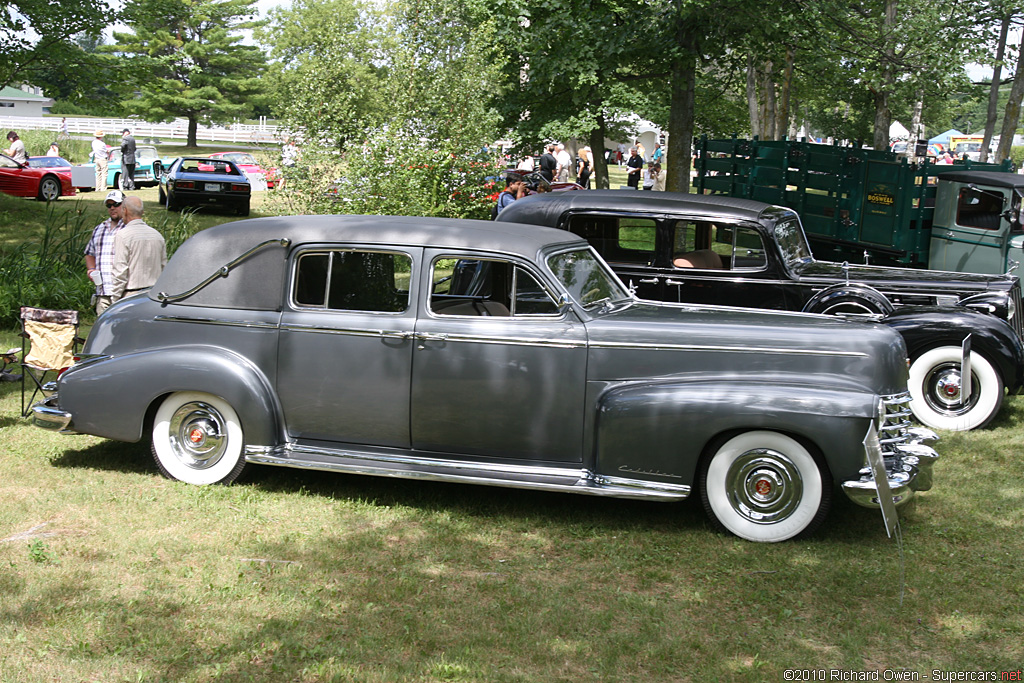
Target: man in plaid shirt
{"type": "Point", "coordinates": [99, 253]}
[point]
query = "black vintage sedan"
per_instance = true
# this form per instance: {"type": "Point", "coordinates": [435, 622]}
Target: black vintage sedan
{"type": "Point", "coordinates": [736, 252]}
{"type": "Point", "coordinates": [198, 181]}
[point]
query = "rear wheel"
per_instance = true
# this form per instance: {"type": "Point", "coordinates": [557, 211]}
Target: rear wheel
{"type": "Point", "coordinates": [243, 209]}
{"type": "Point", "coordinates": [161, 196]}
{"type": "Point", "coordinates": [765, 486]}
{"type": "Point", "coordinates": [49, 189]}
{"type": "Point", "coordinates": [117, 181]}
{"type": "Point", "coordinates": [935, 387]}
{"type": "Point", "coordinates": [170, 203]}
{"type": "Point", "coordinates": [197, 439]}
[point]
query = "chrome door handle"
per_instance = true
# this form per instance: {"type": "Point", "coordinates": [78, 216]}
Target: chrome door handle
{"type": "Point", "coordinates": [950, 235]}
{"type": "Point", "coordinates": [649, 281]}
{"type": "Point", "coordinates": [390, 334]}
{"type": "Point", "coordinates": [670, 281]}
{"type": "Point", "coordinates": [422, 336]}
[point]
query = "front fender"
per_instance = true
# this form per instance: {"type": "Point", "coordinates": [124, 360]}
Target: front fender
{"type": "Point", "coordinates": [110, 397]}
{"type": "Point", "coordinates": [928, 327]}
{"type": "Point", "coordinates": [659, 431]}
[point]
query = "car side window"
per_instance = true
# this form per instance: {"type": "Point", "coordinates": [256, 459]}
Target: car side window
{"type": "Point", "coordinates": [486, 288]}
{"type": "Point", "coordinates": [709, 246]}
{"type": "Point", "coordinates": [979, 209]}
{"type": "Point", "coordinates": [618, 240]}
{"type": "Point", "coordinates": [353, 280]}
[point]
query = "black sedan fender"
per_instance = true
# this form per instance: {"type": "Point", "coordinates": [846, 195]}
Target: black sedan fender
{"type": "Point", "coordinates": [144, 380]}
{"type": "Point", "coordinates": [934, 337]}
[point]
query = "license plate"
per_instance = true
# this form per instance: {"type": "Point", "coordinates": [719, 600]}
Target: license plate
{"type": "Point", "coordinates": [212, 187]}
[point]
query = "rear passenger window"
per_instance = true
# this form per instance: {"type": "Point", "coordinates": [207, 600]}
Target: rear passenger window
{"type": "Point", "coordinates": [618, 239]}
{"type": "Point", "coordinates": [352, 280]}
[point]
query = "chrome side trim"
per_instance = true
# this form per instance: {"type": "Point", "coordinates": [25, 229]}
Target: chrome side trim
{"type": "Point", "coordinates": [214, 321]}
{"type": "Point", "coordinates": [561, 479]}
{"type": "Point", "coordinates": [726, 349]}
{"type": "Point", "coordinates": [319, 329]}
{"type": "Point", "coordinates": [506, 341]}
{"type": "Point", "coordinates": [223, 271]}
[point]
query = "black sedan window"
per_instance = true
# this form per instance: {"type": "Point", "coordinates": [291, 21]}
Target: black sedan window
{"type": "Point", "coordinates": [353, 281]}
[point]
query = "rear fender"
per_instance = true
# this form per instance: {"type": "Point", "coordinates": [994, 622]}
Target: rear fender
{"type": "Point", "coordinates": [111, 397]}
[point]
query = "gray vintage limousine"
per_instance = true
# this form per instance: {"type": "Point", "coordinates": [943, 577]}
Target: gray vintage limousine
{"type": "Point", "coordinates": [468, 352]}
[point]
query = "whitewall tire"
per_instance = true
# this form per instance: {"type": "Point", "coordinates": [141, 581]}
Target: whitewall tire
{"type": "Point", "coordinates": [197, 439]}
{"type": "Point", "coordinates": [765, 486]}
{"type": "Point", "coordinates": [935, 384]}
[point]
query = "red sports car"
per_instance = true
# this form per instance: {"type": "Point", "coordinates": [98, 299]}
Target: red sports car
{"type": "Point", "coordinates": [249, 165]}
{"type": "Point", "coordinates": [23, 180]}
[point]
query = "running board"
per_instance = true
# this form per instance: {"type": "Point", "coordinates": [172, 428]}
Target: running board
{"type": "Point", "coordinates": [565, 480]}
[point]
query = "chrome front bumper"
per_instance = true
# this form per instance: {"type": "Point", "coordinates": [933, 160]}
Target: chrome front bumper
{"type": "Point", "coordinates": [47, 415]}
{"type": "Point", "coordinates": [909, 469]}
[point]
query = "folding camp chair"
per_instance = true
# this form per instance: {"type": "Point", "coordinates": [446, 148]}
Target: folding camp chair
{"type": "Point", "coordinates": [52, 340]}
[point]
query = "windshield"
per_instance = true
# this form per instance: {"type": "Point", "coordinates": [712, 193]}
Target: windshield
{"type": "Point", "coordinates": [586, 277]}
{"type": "Point", "coordinates": [240, 158]}
{"type": "Point", "coordinates": [792, 242]}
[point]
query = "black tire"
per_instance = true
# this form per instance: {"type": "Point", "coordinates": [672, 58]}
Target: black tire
{"type": "Point", "coordinates": [117, 182]}
{"type": "Point", "coordinates": [161, 197]}
{"type": "Point", "coordinates": [197, 438]}
{"type": "Point", "coordinates": [171, 205]}
{"type": "Point", "coordinates": [49, 189]}
{"type": "Point", "coordinates": [764, 486]}
{"type": "Point", "coordinates": [243, 209]}
{"type": "Point", "coordinates": [935, 383]}
{"type": "Point", "coordinates": [850, 299]}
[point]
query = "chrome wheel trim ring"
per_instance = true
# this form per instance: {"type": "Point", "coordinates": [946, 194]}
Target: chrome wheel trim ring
{"type": "Point", "coordinates": [764, 486]}
{"type": "Point", "coordinates": [197, 435]}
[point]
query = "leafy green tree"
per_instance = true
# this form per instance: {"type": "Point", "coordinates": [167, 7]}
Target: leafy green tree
{"type": "Point", "coordinates": [37, 37]}
{"type": "Point", "coordinates": [186, 59]}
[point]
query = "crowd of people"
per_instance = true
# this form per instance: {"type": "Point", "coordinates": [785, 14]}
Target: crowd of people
{"type": "Point", "coordinates": [556, 165]}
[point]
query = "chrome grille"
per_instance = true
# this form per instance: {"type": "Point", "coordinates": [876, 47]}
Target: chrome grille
{"type": "Point", "coordinates": [1018, 320]}
{"type": "Point", "coordinates": [896, 422]}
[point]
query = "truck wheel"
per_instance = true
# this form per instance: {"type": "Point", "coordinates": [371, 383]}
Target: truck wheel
{"type": "Point", "coordinates": [765, 486]}
{"type": "Point", "coordinates": [849, 299]}
{"type": "Point", "coordinates": [935, 383]}
{"type": "Point", "coordinates": [197, 439]}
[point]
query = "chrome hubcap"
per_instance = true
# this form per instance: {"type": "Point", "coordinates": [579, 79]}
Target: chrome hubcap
{"type": "Point", "coordinates": [943, 390]}
{"type": "Point", "coordinates": [764, 486]}
{"type": "Point", "coordinates": [197, 435]}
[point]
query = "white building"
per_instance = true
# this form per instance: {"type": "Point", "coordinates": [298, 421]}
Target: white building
{"type": "Point", "coordinates": [15, 102]}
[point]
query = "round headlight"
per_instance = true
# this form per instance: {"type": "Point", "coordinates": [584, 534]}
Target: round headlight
{"type": "Point", "coordinates": [1011, 309]}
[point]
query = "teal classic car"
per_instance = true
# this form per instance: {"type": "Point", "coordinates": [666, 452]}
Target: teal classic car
{"type": "Point", "coordinates": [148, 166]}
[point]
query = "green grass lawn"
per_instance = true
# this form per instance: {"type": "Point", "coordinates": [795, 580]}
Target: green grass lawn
{"type": "Point", "coordinates": [112, 573]}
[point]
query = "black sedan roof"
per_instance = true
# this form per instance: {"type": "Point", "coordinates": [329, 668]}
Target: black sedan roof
{"type": "Point", "coordinates": [547, 209]}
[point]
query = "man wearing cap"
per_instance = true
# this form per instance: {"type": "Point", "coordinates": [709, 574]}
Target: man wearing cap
{"type": "Point", "coordinates": [99, 157]}
{"type": "Point", "coordinates": [99, 253]}
{"type": "Point", "coordinates": [140, 253]}
{"type": "Point", "coordinates": [127, 160]}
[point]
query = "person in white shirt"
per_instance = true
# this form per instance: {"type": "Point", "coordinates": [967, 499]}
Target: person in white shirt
{"type": "Point", "coordinates": [100, 155]}
{"type": "Point", "coordinates": [17, 149]}
{"type": "Point", "coordinates": [564, 161]}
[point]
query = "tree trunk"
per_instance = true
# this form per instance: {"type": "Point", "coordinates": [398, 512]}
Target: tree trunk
{"type": "Point", "coordinates": [599, 173]}
{"type": "Point", "coordinates": [1012, 114]}
{"type": "Point", "coordinates": [883, 116]}
{"type": "Point", "coordinates": [993, 91]}
{"type": "Point", "coordinates": [681, 116]}
{"type": "Point", "coordinates": [915, 125]}
{"type": "Point", "coordinates": [782, 113]}
{"type": "Point", "coordinates": [752, 105]}
{"type": "Point", "coordinates": [768, 89]}
{"type": "Point", "coordinates": [193, 132]}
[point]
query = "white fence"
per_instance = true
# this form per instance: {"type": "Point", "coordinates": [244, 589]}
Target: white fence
{"type": "Point", "coordinates": [175, 130]}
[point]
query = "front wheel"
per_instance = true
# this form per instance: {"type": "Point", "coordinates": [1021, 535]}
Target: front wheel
{"type": "Point", "coordinates": [197, 439]}
{"type": "Point", "coordinates": [49, 189]}
{"type": "Point", "coordinates": [935, 390]}
{"type": "Point", "coordinates": [765, 486]}
{"type": "Point", "coordinates": [161, 197]}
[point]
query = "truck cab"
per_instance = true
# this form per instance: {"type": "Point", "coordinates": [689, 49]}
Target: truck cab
{"type": "Point", "coordinates": [977, 223]}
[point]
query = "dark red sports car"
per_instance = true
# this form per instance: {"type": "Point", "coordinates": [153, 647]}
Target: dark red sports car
{"type": "Point", "coordinates": [45, 184]}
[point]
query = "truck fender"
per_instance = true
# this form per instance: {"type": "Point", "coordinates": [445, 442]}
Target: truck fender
{"type": "Point", "coordinates": [924, 328]}
{"type": "Point", "coordinates": [668, 426]}
{"type": "Point", "coordinates": [113, 397]}
{"type": "Point", "coordinates": [849, 297]}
